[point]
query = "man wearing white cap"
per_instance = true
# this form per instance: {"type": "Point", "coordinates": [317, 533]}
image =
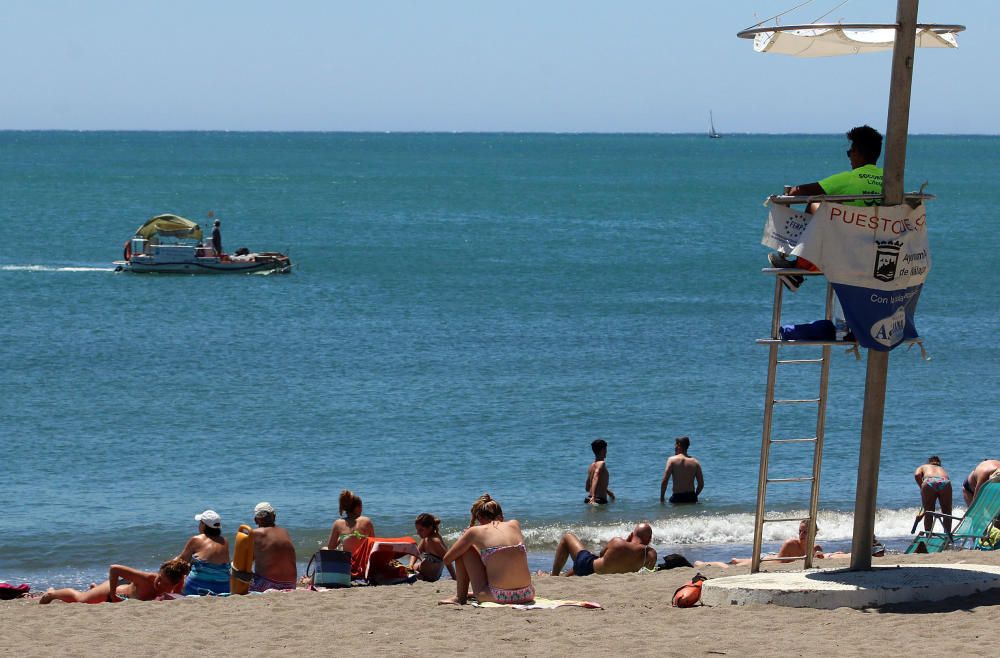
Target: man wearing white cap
{"type": "Point", "coordinates": [273, 553]}
{"type": "Point", "coordinates": [208, 554]}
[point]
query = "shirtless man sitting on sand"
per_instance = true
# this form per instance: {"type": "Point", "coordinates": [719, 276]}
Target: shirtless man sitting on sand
{"type": "Point", "coordinates": [273, 553]}
{"type": "Point", "coordinates": [686, 472]}
{"type": "Point", "coordinates": [619, 556]}
{"type": "Point", "coordinates": [596, 486]}
{"type": "Point", "coordinates": [795, 547]}
{"type": "Point", "coordinates": [978, 477]}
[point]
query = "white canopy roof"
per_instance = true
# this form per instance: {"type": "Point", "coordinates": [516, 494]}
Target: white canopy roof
{"type": "Point", "coordinates": [831, 41]}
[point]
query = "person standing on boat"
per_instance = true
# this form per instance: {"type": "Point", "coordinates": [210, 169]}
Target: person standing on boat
{"type": "Point", "coordinates": [217, 238]}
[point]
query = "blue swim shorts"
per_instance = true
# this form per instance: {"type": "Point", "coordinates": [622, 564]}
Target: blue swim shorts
{"type": "Point", "coordinates": [583, 563]}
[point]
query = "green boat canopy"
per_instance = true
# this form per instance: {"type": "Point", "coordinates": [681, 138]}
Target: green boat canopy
{"type": "Point", "coordinates": [170, 225]}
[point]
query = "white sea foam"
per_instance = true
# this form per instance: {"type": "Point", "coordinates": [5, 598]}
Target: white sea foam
{"type": "Point", "coordinates": [735, 528]}
{"type": "Point", "coordinates": [53, 268]}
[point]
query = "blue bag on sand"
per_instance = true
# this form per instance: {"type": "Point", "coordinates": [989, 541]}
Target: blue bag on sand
{"type": "Point", "coordinates": [333, 568]}
{"type": "Point", "coordinates": [818, 330]}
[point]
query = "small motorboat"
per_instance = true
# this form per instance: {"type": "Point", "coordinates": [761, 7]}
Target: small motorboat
{"type": "Point", "coordinates": [174, 245]}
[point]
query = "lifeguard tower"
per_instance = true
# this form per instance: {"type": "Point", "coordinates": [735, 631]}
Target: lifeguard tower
{"type": "Point", "coordinates": [860, 586]}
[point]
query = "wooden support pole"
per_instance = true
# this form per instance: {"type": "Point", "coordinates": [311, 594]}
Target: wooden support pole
{"type": "Point", "coordinates": [897, 127]}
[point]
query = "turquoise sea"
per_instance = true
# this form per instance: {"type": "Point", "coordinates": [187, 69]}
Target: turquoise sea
{"type": "Point", "coordinates": [465, 314]}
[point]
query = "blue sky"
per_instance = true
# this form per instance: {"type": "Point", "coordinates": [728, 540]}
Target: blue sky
{"type": "Point", "coordinates": [469, 65]}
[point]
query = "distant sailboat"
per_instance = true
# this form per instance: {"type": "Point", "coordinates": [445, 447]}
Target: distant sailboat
{"type": "Point", "coordinates": [711, 130]}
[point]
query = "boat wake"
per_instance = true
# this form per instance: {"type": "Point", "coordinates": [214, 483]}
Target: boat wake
{"type": "Point", "coordinates": [54, 268]}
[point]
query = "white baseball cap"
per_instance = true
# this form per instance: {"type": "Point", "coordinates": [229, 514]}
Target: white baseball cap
{"type": "Point", "coordinates": [262, 509]}
{"type": "Point", "coordinates": [210, 518]}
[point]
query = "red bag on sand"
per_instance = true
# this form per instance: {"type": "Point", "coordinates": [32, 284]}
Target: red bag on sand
{"type": "Point", "coordinates": [8, 592]}
{"type": "Point", "coordinates": [688, 595]}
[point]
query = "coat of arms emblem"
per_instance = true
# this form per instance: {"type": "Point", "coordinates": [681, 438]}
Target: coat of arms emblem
{"type": "Point", "coordinates": [886, 259]}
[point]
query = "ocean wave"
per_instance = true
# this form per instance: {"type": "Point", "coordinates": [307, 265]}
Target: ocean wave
{"type": "Point", "coordinates": [732, 528]}
{"type": "Point", "coordinates": [53, 268]}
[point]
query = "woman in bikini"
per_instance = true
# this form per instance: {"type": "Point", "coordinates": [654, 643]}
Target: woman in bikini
{"type": "Point", "coordinates": [353, 527]}
{"type": "Point", "coordinates": [935, 487]}
{"type": "Point", "coordinates": [491, 557]}
{"type": "Point", "coordinates": [142, 585]}
{"type": "Point", "coordinates": [431, 547]}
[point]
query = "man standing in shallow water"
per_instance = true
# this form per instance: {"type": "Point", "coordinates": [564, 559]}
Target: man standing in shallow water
{"type": "Point", "coordinates": [686, 472]}
{"type": "Point", "coordinates": [596, 486]}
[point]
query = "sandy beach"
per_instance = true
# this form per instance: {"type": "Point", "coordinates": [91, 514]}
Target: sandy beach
{"type": "Point", "coordinates": [405, 620]}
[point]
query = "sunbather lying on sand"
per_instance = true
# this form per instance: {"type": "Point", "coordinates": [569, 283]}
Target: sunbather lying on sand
{"type": "Point", "coordinates": [142, 585]}
{"type": "Point", "coordinates": [626, 555]}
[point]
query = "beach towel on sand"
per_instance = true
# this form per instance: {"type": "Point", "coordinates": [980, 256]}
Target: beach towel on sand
{"type": "Point", "coordinates": [540, 604]}
{"type": "Point", "coordinates": [373, 559]}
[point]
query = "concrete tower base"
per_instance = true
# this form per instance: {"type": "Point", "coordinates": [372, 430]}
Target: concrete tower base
{"type": "Point", "coordinates": [839, 588]}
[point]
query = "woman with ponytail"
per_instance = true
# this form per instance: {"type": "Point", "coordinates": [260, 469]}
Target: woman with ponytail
{"type": "Point", "coordinates": [353, 526]}
{"type": "Point", "coordinates": [491, 558]}
{"type": "Point", "coordinates": [431, 547]}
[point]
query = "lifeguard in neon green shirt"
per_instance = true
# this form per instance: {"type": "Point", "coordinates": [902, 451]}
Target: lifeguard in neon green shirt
{"type": "Point", "coordinates": [864, 177]}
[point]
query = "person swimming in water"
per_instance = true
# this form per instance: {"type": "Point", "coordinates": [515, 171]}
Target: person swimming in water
{"type": "Point", "coordinates": [432, 549]}
{"type": "Point", "coordinates": [491, 557]}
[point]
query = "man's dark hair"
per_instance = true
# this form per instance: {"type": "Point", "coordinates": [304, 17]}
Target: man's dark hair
{"type": "Point", "coordinates": [598, 446]}
{"type": "Point", "coordinates": [684, 442]}
{"type": "Point", "coordinates": [673, 561]}
{"type": "Point", "coordinates": [212, 532]}
{"type": "Point", "coordinates": [867, 141]}
{"type": "Point", "coordinates": [934, 459]}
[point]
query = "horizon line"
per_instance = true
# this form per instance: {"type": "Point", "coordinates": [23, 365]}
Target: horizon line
{"type": "Point", "coordinates": [451, 132]}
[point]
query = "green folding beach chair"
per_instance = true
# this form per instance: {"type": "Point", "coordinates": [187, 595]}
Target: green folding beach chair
{"type": "Point", "coordinates": [972, 529]}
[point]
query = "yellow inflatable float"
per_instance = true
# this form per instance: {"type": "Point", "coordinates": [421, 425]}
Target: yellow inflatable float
{"type": "Point", "coordinates": [242, 574]}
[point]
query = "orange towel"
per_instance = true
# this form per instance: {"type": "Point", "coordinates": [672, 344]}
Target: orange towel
{"type": "Point", "coordinates": [362, 556]}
